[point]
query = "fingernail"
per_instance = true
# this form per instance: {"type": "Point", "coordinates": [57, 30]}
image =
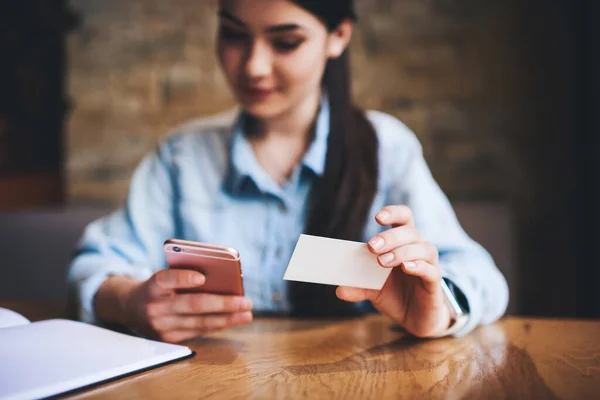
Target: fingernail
{"type": "Point", "coordinates": [410, 265]}
{"type": "Point", "coordinates": [376, 243]}
{"type": "Point", "coordinates": [245, 316]}
{"type": "Point", "coordinates": [244, 303]}
{"type": "Point", "coordinates": [386, 258]}
{"type": "Point", "coordinates": [197, 279]}
{"type": "Point", "coordinates": [383, 216]}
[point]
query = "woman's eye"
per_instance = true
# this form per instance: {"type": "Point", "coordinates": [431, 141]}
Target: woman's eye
{"type": "Point", "coordinates": [287, 45]}
{"type": "Point", "coordinates": [231, 35]}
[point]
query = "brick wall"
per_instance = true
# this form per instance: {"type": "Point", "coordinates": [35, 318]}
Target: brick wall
{"type": "Point", "coordinates": [451, 70]}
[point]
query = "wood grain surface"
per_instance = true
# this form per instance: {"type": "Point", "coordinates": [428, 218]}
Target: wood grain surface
{"type": "Point", "coordinates": [368, 358]}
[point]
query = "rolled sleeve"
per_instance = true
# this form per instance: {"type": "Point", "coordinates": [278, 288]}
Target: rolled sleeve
{"type": "Point", "coordinates": [129, 241]}
{"type": "Point", "coordinates": [87, 287]}
{"type": "Point", "coordinates": [484, 287]}
{"type": "Point", "coordinates": [462, 260]}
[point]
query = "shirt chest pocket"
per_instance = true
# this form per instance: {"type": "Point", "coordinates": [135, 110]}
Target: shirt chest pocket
{"type": "Point", "coordinates": [241, 225]}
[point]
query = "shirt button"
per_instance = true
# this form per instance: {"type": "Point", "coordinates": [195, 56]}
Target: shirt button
{"type": "Point", "coordinates": [282, 206]}
{"type": "Point", "coordinates": [276, 297]}
{"type": "Point", "coordinates": [278, 252]}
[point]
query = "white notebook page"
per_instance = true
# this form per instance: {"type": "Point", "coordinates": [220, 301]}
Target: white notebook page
{"type": "Point", "coordinates": [50, 357]}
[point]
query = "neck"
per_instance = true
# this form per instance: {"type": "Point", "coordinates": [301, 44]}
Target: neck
{"type": "Point", "coordinates": [295, 124]}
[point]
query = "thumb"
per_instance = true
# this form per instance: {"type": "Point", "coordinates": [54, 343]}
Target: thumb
{"type": "Point", "coordinates": [355, 295]}
{"type": "Point", "coordinates": [166, 280]}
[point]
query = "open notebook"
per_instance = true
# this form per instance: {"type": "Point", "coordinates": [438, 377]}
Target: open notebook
{"type": "Point", "coordinates": [46, 358]}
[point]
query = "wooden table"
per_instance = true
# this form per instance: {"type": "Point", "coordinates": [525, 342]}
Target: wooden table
{"type": "Point", "coordinates": [367, 358]}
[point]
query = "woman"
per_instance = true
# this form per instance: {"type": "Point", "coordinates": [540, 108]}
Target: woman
{"type": "Point", "coordinates": [298, 157]}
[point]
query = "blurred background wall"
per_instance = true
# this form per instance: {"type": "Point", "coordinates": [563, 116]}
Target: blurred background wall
{"type": "Point", "coordinates": [452, 71]}
{"type": "Point", "coordinates": [500, 93]}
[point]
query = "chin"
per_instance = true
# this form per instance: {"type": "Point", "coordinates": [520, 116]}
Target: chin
{"type": "Point", "coordinates": [263, 109]}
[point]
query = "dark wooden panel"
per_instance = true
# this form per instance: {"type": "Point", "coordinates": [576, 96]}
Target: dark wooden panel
{"type": "Point", "coordinates": [33, 103]}
{"type": "Point", "coordinates": [587, 157]}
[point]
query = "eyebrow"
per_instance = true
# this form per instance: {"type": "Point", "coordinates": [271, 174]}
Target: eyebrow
{"type": "Point", "coordinates": [272, 29]}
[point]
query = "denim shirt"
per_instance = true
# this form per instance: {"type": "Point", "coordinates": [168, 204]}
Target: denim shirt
{"type": "Point", "coordinates": [203, 183]}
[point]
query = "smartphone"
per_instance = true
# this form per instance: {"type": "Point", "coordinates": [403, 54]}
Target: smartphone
{"type": "Point", "coordinates": [220, 265]}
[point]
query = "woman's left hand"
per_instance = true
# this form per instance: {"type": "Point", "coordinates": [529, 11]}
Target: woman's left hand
{"type": "Point", "coordinates": [412, 295]}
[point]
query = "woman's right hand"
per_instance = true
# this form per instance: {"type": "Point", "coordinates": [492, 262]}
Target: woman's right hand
{"type": "Point", "coordinates": [154, 309]}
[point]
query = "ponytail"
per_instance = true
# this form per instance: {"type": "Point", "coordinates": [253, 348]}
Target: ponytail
{"type": "Point", "coordinates": [341, 199]}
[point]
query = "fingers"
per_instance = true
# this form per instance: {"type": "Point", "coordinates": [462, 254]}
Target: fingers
{"type": "Point", "coordinates": [392, 238]}
{"type": "Point", "coordinates": [355, 295]}
{"type": "Point", "coordinates": [430, 274]}
{"type": "Point", "coordinates": [395, 215]}
{"type": "Point", "coordinates": [404, 246]}
{"type": "Point", "coordinates": [202, 303]}
{"type": "Point", "coordinates": [185, 316]}
{"type": "Point", "coordinates": [170, 279]}
{"type": "Point", "coordinates": [178, 336]}
{"type": "Point", "coordinates": [204, 323]}
{"type": "Point", "coordinates": [423, 251]}
{"type": "Point", "coordinates": [179, 328]}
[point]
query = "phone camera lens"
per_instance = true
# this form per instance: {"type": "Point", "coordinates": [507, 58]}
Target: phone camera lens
{"type": "Point", "coordinates": [176, 249]}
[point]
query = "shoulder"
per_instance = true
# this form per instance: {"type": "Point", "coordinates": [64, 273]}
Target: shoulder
{"type": "Point", "coordinates": [399, 147]}
{"type": "Point", "coordinates": [391, 132]}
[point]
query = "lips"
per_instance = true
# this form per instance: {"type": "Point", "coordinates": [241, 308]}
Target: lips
{"type": "Point", "coordinates": [258, 93]}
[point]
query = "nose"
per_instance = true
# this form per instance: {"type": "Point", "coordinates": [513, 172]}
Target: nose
{"type": "Point", "coordinates": [259, 61]}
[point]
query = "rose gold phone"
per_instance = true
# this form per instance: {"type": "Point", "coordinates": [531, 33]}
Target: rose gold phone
{"type": "Point", "coordinates": [220, 265]}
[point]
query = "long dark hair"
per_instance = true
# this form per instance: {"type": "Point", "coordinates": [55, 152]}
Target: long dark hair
{"type": "Point", "coordinates": [341, 199]}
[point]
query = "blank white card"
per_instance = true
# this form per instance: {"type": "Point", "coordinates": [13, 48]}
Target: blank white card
{"type": "Point", "coordinates": [335, 262]}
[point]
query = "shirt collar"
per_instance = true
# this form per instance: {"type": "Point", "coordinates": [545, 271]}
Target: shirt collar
{"type": "Point", "coordinates": [243, 163]}
{"type": "Point", "coordinates": [316, 155]}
